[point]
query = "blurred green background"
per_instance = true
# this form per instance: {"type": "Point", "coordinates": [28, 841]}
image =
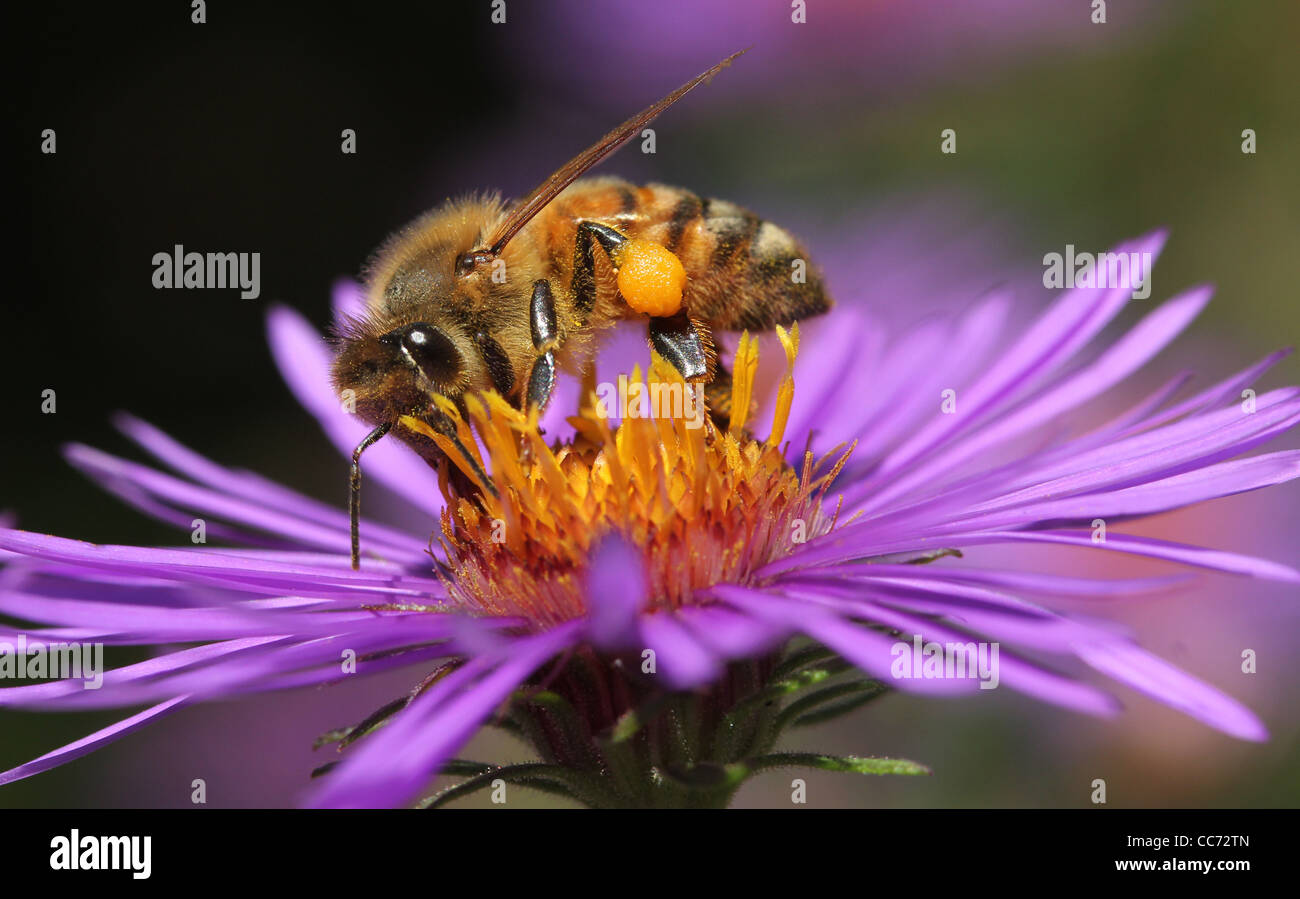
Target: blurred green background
{"type": "Point", "coordinates": [226, 138]}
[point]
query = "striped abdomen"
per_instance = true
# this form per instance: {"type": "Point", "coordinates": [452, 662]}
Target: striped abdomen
{"type": "Point", "coordinates": [743, 272]}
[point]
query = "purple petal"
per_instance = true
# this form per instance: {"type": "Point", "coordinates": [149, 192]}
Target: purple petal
{"type": "Point", "coordinates": [1010, 579]}
{"type": "Point", "coordinates": [1013, 671]}
{"type": "Point", "coordinates": [1130, 352]}
{"type": "Point", "coordinates": [1194, 443]}
{"type": "Point", "coordinates": [1218, 560]}
{"type": "Point", "coordinates": [681, 660]}
{"type": "Point", "coordinates": [962, 350]}
{"type": "Point", "coordinates": [732, 634]}
{"type": "Point", "coordinates": [1167, 684]}
{"type": "Point", "coordinates": [883, 398]}
{"type": "Point", "coordinates": [94, 741]}
{"type": "Point", "coordinates": [820, 379]}
{"type": "Point", "coordinates": [347, 300]}
{"type": "Point", "coordinates": [256, 488]}
{"type": "Point", "coordinates": [1188, 447]}
{"type": "Point", "coordinates": [34, 694]}
{"type": "Point", "coordinates": [1228, 389]}
{"type": "Point", "coordinates": [867, 649]}
{"type": "Point", "coordinates": [616, 591]}
{"type": "Point", "coordinates": [1051, 342]}
{"type": "Point", "coordinates": [233, 570]}
{"type": "Point", "coordinates": [1212, 482]}
{"type": "Point", "coordinates": [390, 766]}
{"type": "Point", "coordinates": [208, 502]}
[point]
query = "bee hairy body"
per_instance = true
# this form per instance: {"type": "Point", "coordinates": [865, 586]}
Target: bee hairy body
{"type": "Point", "coordinates": [741, 274]}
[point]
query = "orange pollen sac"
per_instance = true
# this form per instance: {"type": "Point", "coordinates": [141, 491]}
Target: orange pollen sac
{"type": "Point", "coordinates": [704, 507]}
{"type": "Point", "coordinates": [650, 277]}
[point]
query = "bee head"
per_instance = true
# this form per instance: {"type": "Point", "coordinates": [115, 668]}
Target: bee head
{"type": "Point", "coordinates": [426, 330]}
{"type": "Point", "coordinates": [394, 372]}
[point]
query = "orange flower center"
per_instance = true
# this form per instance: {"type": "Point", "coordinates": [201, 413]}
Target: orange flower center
{"type": "Point", "coordinates": [704, 506]}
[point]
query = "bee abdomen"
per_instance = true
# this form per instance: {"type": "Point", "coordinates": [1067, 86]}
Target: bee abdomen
{"type": "Point", "coordinates": [755, 276]}
{"type": "Point", "coordinates": [742, 272]}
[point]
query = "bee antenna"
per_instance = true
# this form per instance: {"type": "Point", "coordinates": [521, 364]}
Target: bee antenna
{"type": "Point", "coordinates": [571, 171]}
{"type": "Point", "coordinates": [354, 489]}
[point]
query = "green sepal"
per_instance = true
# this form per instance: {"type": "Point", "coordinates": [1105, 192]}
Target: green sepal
{"type": "Point", "coordinates": [540, 776]}
{"type": "Point", "coordinates": [810, 709]}
{"type": "Point", "coordinates": [324, 769]}
{"type": "Point", "coordinates": [801, 680]}
{"type": "Point", "coordinates": [576, 741]}
{"type": "Point", "coordinates": [632, 721]}
{"type": "Point", "coordinates": [465, 768]}
{"type": "Point", "coordinates": [709, 776]}
{"type": "Point", "coordinates": [346, 736]}
{"type": "Point", "coordinates": [801, 658]}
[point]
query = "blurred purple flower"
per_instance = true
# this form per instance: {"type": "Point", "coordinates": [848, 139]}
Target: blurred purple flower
{"type": "Point", "coordinates": [999, 469]}
{"type": "Point", "coordinates": [859, 45]}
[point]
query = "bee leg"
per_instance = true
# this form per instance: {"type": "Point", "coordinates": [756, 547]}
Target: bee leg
{"type": "Point", "coordinates": [583, 284]}
{"type": "Point", "coordinates": [678, 340]}
{"type": "Point", "coordinates": [689, 347]}
{"type": "Point", "coordinates": [541, 381]}
{"type": "Point", "coordinates": [546, 336]}
{"type": "Point", "coordinates": [354, 489]}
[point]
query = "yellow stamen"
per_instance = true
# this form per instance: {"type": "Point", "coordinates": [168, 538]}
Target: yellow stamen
{"type": "Point", "coordinates": [744, 367]}
{"type": "Point", "coordinates": [705, 507]}
{"type": "Point", "coordinates": [785, 396]}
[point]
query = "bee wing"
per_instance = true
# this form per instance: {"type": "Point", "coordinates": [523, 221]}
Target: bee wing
{"type": "Point", "coordinates": [572, 170]}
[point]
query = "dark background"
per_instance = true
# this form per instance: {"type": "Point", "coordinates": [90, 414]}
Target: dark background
{"type": "Point", "coordinates": [221, 137]}
{"type": "Point", "coordinates": [225, 137]}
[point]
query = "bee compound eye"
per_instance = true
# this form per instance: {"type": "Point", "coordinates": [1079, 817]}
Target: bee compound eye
{"type": "Point", "coordinates": [431, 351]}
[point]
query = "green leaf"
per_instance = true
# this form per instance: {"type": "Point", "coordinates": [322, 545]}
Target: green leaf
{"type": "Point", "coordinates": [850, 763]}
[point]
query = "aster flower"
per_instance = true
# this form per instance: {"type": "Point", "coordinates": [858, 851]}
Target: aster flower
{"type": "Point", "coordinates": [652, 605]}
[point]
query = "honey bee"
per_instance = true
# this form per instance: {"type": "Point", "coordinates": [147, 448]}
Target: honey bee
{"type": "Point", "coordinates": [481, 295]}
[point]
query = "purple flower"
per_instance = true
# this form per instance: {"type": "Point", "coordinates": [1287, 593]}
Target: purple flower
{"type": "Point", "coordinates": [650, 563]}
